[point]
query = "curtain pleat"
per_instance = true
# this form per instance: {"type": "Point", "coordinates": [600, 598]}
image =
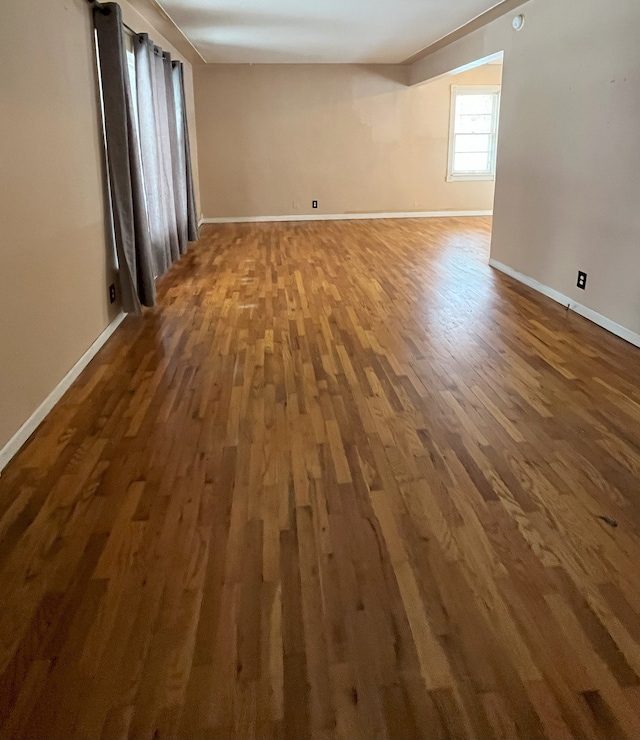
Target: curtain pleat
{"type": "Point", "coordinates": [164, 144]}
{"type": "Point", "coordinates": [178, 177]}
{"type": "Point", "coordinates": [192, 215]}
{"type": "Point", "coordinates": [149, 160]}
{"type": "Point", "coordinates": [130, 219]}
{"type": "Point", "coordinates": [151, 156]}
{"type": "Point", "coordinates": [181, 163]}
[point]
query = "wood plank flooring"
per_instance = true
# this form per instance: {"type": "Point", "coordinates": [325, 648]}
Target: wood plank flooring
{"type": "Point", "coordinates": [344, 481]}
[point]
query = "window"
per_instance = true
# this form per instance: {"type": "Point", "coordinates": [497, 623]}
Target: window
{"type": "Point", "coordinates": [474, 132]}
{"type": "Point", "coordinates": [131, 68]}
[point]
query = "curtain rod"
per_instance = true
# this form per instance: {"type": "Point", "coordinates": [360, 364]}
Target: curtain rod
{"type": "Point", "coordinates": [100, 6]}
{"type": "Point", "coordinates": [103, 8]}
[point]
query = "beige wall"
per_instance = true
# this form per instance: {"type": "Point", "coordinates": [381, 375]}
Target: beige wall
{"type": "Point", "coordinates": [569, 153]}
{"type": "Point", "coordinates": [55, 261]}
{"type": "Point", "coordinates": [272, 138]}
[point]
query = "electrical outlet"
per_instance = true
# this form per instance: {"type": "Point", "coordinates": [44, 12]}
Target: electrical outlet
{"type": "Point", "coordinates": [112, 293]}
{"type": "Point", "coordinates": [314, 204]}
{"type": "Point", "coordinates": [582, 280]}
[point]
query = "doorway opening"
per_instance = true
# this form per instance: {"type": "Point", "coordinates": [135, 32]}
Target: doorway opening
{"type": "Point", "coordinates": [475, 92]}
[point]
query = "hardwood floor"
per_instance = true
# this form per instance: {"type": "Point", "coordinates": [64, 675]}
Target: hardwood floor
{"type": "Point", "coordinates": [344, 481]}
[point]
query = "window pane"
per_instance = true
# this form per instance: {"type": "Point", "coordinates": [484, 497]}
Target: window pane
{"type": "Point", "coordinates": [475, 104]}
{"type": "Point", "coordinates": [473, 143]}
{"type": "Point", "coordinates": [131, 67]}
{"type": "Point", "coordinates": [467, 124]}
{"type": "Point", "coordinates": [471, 162]}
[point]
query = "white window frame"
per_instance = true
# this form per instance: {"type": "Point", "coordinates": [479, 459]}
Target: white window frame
{"type": "Point", "coordinates": [457, 90]}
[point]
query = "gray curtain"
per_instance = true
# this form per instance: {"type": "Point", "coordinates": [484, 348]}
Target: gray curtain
{"type": "Point", "coordinates": [130, 219]}
{"type": "Point", "coordinates": [185, 147]}
{"type": "Point", "coordinates": [150, 163]}
{"type": "Point", "coordinates": [178, 154]}
{"type": "Point", "coordinates": [166, 157]}
{"type": "Point", "coordinates": [163, 135]}
{"type": "Point", "coordinates": [150, 153]}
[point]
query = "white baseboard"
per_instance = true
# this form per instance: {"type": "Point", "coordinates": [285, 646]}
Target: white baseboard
{"type": "Point", "coordinates": [588, 313]}
{"type": "Point", "coordinates": [31, 424]}
{"type": "Point", "coordinates": [343, 216]}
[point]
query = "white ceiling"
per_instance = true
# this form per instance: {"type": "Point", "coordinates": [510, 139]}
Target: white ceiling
{"type": "Point", "coordinates": [324, 31]}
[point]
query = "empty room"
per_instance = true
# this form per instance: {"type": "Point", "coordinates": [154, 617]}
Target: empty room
{"type": "Point", "coordinates": [319, 349]}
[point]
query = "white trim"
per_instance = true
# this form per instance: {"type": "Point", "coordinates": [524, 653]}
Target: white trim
{"type": "Point", "coordinates": [470, 177]}
{"type": "Point", "coordinates": [343, 216]}
{"type": "Point", "coordinates": [37, 417]}
{"type": "Point", "coordinates": [588, 313]}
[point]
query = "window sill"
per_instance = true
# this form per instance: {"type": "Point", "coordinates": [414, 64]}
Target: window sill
{"type": "Point", "coordinates": [470, 178]}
